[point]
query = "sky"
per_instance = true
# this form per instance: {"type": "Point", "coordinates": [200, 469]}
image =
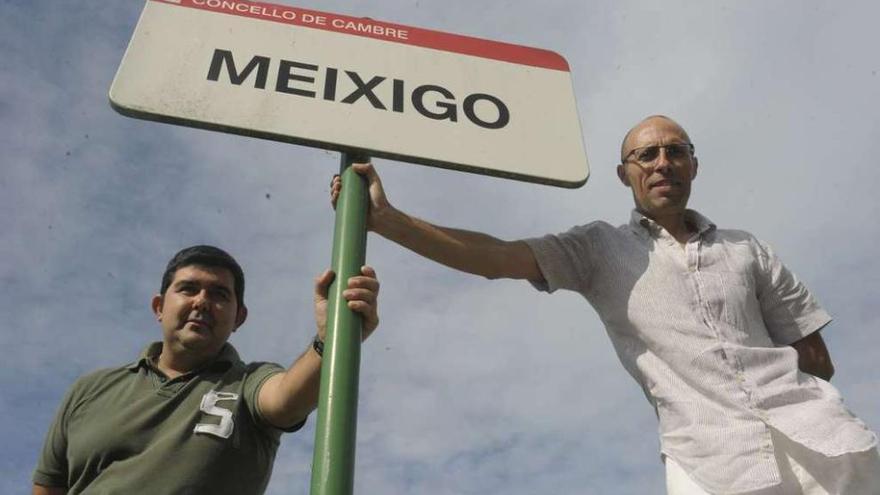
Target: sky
{"type": "Point", "coordinates": [469, 385]}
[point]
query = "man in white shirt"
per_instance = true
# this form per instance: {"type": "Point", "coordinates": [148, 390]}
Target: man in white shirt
{"type": "Point", "coordinates": [723, 339]}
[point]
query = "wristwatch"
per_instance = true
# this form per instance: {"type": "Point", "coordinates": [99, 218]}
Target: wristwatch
{"type": "Point", "coordinates": [318, 346]}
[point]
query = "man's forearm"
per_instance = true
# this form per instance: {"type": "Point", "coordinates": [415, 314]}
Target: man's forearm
{"type": "Point", "coordinates": [287, 398]}
{"type": "Point", "coordinates": [471, 252]}
{"type": "Point", "coordinates": [813, 356]}
{"type": "Point", "coordinates": [48, 490]}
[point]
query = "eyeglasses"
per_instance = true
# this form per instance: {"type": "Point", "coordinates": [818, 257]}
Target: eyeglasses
{"type": "Point", "coordinates": [647, 154]}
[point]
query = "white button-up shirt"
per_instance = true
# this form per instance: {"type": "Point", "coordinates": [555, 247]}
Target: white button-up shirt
{"type": "Point", "coordinates": [705, 330]}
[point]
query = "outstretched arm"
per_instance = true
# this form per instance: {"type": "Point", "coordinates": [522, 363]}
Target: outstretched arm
{"type": "Point", "coordinates": [467, 251]}
{"type": "Point", "coordinates": [813, 357]}
{"type": "Point", "coordinates": [287, 398]}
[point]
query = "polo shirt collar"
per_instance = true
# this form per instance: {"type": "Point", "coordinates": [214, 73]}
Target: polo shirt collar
{"type": "Point", "coordinates": [226, 358]}
{"type": "Point", "coordinates": [640, 222]}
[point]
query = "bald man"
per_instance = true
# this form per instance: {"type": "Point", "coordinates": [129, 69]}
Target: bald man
{"type": "Point", "coordinates": [721, 336]}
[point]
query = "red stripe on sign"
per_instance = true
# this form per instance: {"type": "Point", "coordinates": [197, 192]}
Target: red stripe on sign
{"type": "Point", "coordinates": [369, 28]}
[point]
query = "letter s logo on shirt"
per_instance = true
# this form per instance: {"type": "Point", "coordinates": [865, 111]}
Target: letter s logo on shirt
{"type": "Point", "coordinates": [209, 406]}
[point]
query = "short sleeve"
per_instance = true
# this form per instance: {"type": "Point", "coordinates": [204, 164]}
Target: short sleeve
{"type": "Point", "coordinates": [566, 260]}
{"type": "Point", "coordinates": [790, 311]}
{"type": "Point", "coordinates": [258, 373]}
{"type": "Point", "coordinates": [52, 467]}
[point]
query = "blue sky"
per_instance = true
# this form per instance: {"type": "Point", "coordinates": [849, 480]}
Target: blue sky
{"type": "Point", "coordinates": [469, 386]}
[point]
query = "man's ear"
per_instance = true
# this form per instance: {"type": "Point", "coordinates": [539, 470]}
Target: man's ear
{"type": "Point", "coordinates": [156, 304]}
{"type": "Point", "coordinates": [240, 316]}
{"type": "Point", "coordinates": [694, 170]}
{"type": "Point", "coordinates": [621, 174]}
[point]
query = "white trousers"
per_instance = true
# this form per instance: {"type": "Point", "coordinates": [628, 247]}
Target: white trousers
{"type": "Point", "coordinates": [803, 471]}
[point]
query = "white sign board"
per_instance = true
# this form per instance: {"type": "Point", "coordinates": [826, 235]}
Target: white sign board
{"type": "Point", "coordinates": [354, 84]}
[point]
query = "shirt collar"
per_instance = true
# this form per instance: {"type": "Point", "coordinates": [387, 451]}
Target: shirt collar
{"type": "Point", "coordinates": [640, 222]}
{"type": "Point", "coordinates": [147, 359]}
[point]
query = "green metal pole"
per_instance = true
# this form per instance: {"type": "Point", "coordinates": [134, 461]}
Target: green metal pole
{"type": "Point", "coordinates": [333, 462]}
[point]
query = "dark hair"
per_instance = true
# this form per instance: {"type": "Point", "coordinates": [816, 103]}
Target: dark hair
{"type": "Point", "coordinates": [206, 256]}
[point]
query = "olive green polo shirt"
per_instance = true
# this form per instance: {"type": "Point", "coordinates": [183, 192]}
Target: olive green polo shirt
{"type": "Point", "coordinates": [132, 430]}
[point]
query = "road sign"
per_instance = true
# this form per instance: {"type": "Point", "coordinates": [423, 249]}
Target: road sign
{"type": "Point", "coordinates": [354, 84]}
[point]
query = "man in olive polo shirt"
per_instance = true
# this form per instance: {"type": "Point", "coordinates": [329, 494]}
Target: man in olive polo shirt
{"type": "Point", "coordinates": [189, 417]}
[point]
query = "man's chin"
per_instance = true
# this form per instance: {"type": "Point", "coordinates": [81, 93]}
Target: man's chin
{"type": "Point", "coordinates": [666, 204]}
{"type": "Point", "coordinates": [196, 339]}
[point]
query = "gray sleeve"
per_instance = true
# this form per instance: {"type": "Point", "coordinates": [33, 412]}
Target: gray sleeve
{"type": "Point", "coordinates": [790, 311]}
{"type": "Point", "coordinates": [566, 260]}
{"type": "Point", "coordinates": [52, 469]}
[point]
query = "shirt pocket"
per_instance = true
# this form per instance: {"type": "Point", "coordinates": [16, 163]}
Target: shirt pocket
{"type": "Point", "coordinates": [737, 307]}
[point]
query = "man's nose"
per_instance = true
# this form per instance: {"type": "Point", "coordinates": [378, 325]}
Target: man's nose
{"type": "Point", "coordinates": [662, 163]}
{"type": "Point", "coordinates": [201, 299]}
